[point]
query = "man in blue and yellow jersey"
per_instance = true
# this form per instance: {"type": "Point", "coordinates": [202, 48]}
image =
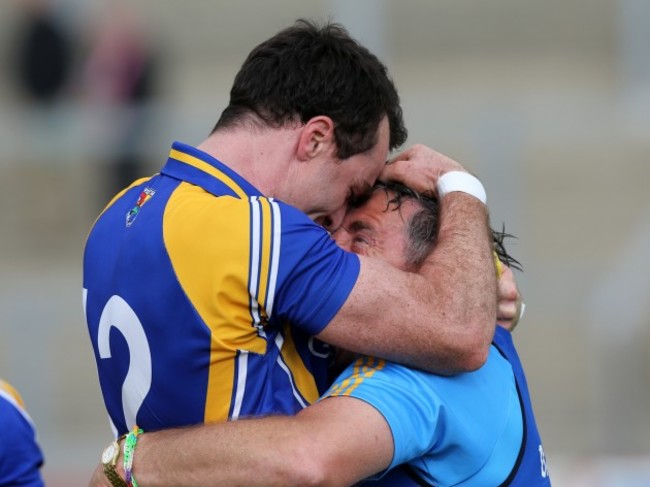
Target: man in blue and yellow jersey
{"type": "Point", "coordinates": [472, 429]}
{"type": "Point", "coordinates": [20, 456]}
{"type": "Point", "coordinates": [211, 288]}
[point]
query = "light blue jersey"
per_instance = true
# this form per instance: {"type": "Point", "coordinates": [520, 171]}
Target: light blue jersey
{"type": "Point", "coordinates": [473, 429]}
{"type": "Point", "coordinates": [462, 430]}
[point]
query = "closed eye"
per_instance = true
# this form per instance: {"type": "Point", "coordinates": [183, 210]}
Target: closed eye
{"type": "Point", "coordinates": [359, 245]}
{"type": "Point", "coordinates": [361, 236]}
{"type": "Point", "coordinates": [361, 240]}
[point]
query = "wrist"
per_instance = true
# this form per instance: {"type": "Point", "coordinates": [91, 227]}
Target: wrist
{"type": "Point", "coordinates": [119, 461]}
{"type": "Point", "coordinates": [460, 181]}
{"type": "Point", "coordinates": [119, 466]}
{"type": "Point", "coordinates": [129, 452]}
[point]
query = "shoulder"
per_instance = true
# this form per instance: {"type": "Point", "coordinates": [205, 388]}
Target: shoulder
{"type": "Point", "coordinates": [18, 444]}
{"type": "Point", "coordinates": [10, 396]}
{"type": "Point", "coordinates": [13, 407]}
{"type": "Point", "coordinates": [479, 396]}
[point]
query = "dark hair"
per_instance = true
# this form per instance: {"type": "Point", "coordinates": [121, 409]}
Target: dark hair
{"type": "Point", "coordinates": [423, 225]}
{"type": "Point", "coordinates": [305, 71]}
{"type": "Point", "coordinates": [498, 237]}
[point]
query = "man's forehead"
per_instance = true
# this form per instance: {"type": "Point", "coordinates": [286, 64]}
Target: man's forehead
{"type": "Point", "coordinates": [383, 200]}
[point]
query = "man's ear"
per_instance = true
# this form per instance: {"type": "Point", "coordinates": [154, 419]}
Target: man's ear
{"type": "Point", "coordinates": [316, 138]}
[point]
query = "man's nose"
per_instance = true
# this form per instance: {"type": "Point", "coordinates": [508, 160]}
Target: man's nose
{"type": "Point", "coordinates": [343, 238]}
{"type": "Point", "coordinates": [334, 220]}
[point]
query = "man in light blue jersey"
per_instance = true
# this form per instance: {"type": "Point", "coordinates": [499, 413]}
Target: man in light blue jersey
{"type": "Point", "coordinates": [413, 427]}
{"type": "Point", "coordinates": [20, 455]}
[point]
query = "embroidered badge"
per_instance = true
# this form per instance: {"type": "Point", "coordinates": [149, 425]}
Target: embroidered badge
{"type": "Point", "coordinates": [132, 214]}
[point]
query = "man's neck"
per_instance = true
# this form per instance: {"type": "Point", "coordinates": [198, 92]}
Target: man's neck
{"type": "Point", "coordinates": [262, 157]}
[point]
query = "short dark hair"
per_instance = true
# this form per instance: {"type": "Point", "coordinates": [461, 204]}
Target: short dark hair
{"type": "Point", "coordinates": [424, 224]}
{"type": "Point", "coordinates": [305, 71]}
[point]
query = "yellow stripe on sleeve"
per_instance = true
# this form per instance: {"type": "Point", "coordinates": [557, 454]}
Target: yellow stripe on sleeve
{"type": "Point", "coordinates": [364, 368]}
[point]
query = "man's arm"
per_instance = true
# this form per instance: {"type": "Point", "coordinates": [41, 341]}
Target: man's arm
{"type": "Point", "coordinates": [314, 448]}
{"type": "Point", "coordinates": [442, 318]}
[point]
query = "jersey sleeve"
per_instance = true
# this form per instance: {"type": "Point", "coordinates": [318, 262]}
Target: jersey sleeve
{"type": "Point", "coordinates": [450, 429]}
{"type": "Point", "coordinates": [315, 276]}
{"type": "Point", "coordinates": [414, 418]}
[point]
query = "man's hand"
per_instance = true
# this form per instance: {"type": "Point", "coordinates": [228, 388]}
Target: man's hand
{"type": "Point", "coordinates": [419, 168]}
{"type": "Point", "coordinates": [509, 309]}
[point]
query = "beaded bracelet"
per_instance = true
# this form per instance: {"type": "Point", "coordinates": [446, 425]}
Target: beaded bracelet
{"type": "Point", "coordinates": [129, 450]}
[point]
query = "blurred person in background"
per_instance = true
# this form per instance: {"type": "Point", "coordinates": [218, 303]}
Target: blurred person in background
{"type": "Point", "coordinates": [473, 429]}
{"type": "Point", "coordinates": [119, 83]}
{"type": "Point", "coordinates": [212, 288]}
{"type": "Point", "coordinates": [20, 455]}
{"type": "Point", "coordinates": [43, 54]}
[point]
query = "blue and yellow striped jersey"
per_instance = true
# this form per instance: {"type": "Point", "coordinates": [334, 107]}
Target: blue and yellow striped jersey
{"type": "Point", "coordinates": [20, 455]}
{"type": "Point", "coordinates": [202, 296]}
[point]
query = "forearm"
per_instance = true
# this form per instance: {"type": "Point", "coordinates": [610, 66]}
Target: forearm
{"type": "Point", "coordinates": [251, 453]}
{"type": "Point", "coordinates": [461, 271]}
{"type": "Point", "coordinates": [335, 442]}
{"type": "Point", "coordinates": [459, 313]}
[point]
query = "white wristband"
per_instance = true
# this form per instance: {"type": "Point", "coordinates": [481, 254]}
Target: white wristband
{"type": "Point", "coordinates": [460, 181]}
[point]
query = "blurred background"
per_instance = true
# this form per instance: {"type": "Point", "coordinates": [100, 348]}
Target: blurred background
{"type": "Point", "coordinates": [548, 102]}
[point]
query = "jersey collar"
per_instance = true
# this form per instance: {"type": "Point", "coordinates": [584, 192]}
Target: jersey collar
{"type": "Point", "coordinates": [190, 164]}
